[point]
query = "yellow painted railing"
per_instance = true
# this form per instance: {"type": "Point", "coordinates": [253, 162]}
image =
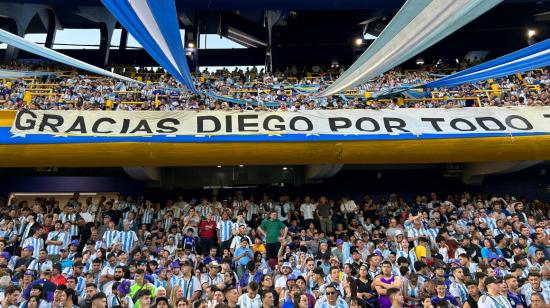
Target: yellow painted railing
{"type": "Point", "coordinates": [437, 99]}
{"type": "Point", "coordinates": [132, 103]}
{"type": "Point", "coordinates": [41, 90]}
{"type": "Point", "coordinates": [42, 85]}
{"type": "Point", "coordinates": [127, 92]}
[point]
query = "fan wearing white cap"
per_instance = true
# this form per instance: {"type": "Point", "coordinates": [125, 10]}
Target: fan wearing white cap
{"type": "Point", "coordinates": [213, 277]}
{"type": "Point", "coordinates": [280, 283]}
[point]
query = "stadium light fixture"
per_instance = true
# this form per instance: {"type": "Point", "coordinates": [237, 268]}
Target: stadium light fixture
{"type": "Point", "coordinates": [219, 166]}
{"type": "Point", "coordinates": [190, 45]}
{"type": "Point", "coordinates": [240, 166]}
{"type": "Point", "coordinates": [419, 61]}
{"type": "Point", "coordinates": [240, 36]}
{"type": "Point", "coordinates": [531, 33]}
{"type": "Point", "coordinates": [358, 42]}
{"type": "Point", "coordinates": [285, 168]}
{"type": "Point", "coordinates": [241, 41]}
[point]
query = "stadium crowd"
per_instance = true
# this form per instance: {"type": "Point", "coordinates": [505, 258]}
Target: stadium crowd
{"type": "Point", "coordinates": [290, 90]}
{"type": "Point", "coordinates": [463, 251]}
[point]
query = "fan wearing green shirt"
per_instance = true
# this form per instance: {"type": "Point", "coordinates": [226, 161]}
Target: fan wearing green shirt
{"type": "Point", "coordinates": [271, 230]}
{"type": "Point", "coordinates": [141, 284]}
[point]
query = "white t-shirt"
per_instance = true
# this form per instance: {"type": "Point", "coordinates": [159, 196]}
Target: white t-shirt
{"type": "Point", "coordinates": [87, 217]}
{"type": "Point", "coordinates": [280, 282]}
{"type": "Point", "coordinates": [308, 210]}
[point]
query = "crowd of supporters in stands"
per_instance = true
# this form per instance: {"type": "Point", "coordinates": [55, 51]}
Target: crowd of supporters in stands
{"type": "Point", "coordinates": [290, 90]}
{"type": "Point", "coordinates": [464, 251]}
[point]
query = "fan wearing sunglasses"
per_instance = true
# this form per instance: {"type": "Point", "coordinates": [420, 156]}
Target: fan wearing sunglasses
{"type": "Point", "coordinates": [331, 299]}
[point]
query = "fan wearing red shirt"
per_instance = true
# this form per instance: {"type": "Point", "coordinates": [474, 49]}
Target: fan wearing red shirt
{"type": "Point", "coordinates": [56, 277]}
{"type": "Point", "coordinates": [207, 233]}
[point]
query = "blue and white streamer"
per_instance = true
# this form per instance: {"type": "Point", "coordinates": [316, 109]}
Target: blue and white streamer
{"type": "Point", "coordinates": [23, 74]}
{"type": "Point", "coordinates": [418, 25]}
{"type": "Point", "coordinates": [154, 24]}
{"type": "Point", "coordinates": [21, 43]}
{"type": "Point", "coordinates": [534, 56]}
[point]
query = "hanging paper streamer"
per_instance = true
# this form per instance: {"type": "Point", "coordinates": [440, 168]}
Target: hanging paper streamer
{"type": "Point", "coordinates": [418, 25]}
{"type": "Point", "coordinates": [526, 59]}
{"type": "Point", "coordinates": [21, 43]}
{"type": "Point", "coordinates": [154, 24]}
{"type": "Point", "coordinates": [23, 74]}
{"type": "Point", "coordinates": [529, 58]}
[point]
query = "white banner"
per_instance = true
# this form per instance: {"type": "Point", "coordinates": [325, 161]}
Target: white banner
{"type": "Point", "coordinates": [356, 122]}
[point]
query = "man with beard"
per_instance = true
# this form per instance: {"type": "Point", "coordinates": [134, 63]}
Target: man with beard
{"type": "Point", "coordinates": [519, 211]}
{"type": "Point", "coordinates": [118, 275]}
{"type": "Point", "coordinates": [473, 295]}
{"type": "Point", "coordinates": [516, 299]}
{"type": "Point", "coordinates": [534, 286]}
{"type": "Point", "coordinates": [457, 288]}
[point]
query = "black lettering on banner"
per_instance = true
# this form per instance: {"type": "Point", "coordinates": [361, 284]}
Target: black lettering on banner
{"type": "Point", "coordinates": [336, 124]}
{"type": "Point", "coordinates": [509, 119]}
{"type": "Point", "coordinates": [400, 125]}
{"type": "Point", "coordinates": [95, 127]}
{"type": "Point", "coordinates": [78, 126]}
{"type": "Point", "coordinates": [167, 129]}
{"type": "Point", "coordinates": [142, 126]}
{"type": "Point", "coordinates": [125, 126]}
{"type": "Point", "coordinates": [277, 127]}
{"type": "Point", "coordinates": [303, 119]}
{"type": "Point", "coordinates": [30, 123]}
{"type": "Point", "coordinates": [200, 124]}
{"type": "Point", "coordinates": [454, 125]}
{"type": "Point", "coordinates": [228, 124]}
{"type": "Point", "coordinates": [56, 122]}
{"type": "Point", "coordinates": [434, 122]}
{"type": "Point", "coordinates": [375, 125]}
{"type": "Point", "coordinates": [481, 121]}
{"type": "Point", "coordinates": [241, 118]}
{"type": "Point", "coordinates": [546, 115]}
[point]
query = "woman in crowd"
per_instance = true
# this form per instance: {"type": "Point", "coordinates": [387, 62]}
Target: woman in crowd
{"type": "Point", "coordinates": [489, 250]}
{"type": "Point", "coordinates": [176, 296]}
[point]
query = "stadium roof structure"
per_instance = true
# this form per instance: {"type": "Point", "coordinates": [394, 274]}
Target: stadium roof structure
{"type": "Point", "coordinates": [304, 32]}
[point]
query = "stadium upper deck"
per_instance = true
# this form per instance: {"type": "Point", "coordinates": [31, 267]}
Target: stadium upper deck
{"type": "Point", "coordinates": [322, 31]}
{"type": "Point", "coordinates": [291, 90]}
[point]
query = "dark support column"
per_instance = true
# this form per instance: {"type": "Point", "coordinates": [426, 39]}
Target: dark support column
{"type": "Point", "coordinates": [50, 35]}
{"type": "Point", "coordinates": [104, 43]}
{"type": "Point", "coordinates": [12, 52]}
{"type": "Point", "coordinates": [195, 33]}
{"type": "Point", "coordinates": [123, 40]}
